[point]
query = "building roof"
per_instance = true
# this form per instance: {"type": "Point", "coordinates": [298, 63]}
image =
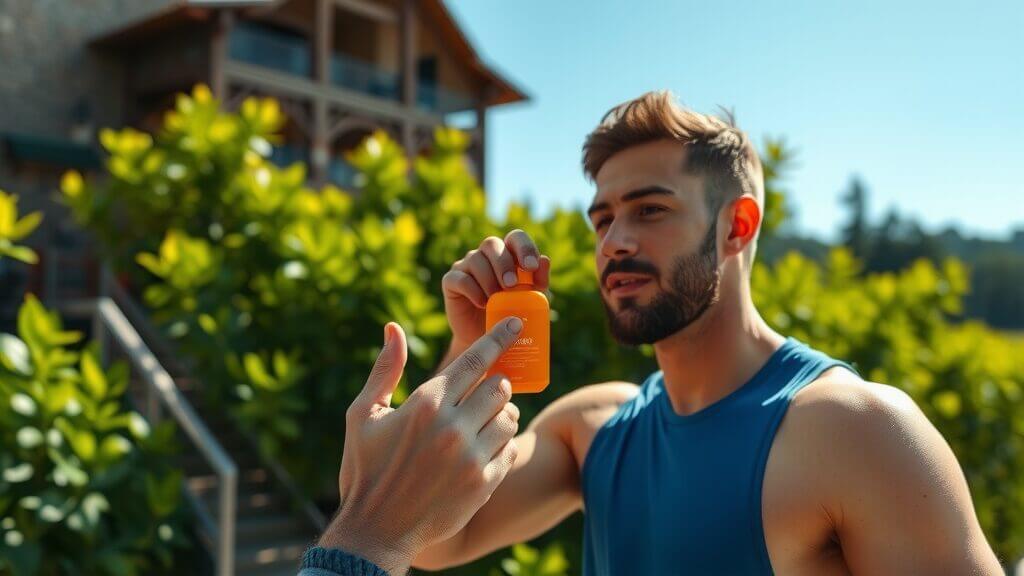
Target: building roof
{"type": "Point", "coordinates": [182, 12]}
{"type": "Point", "coordinates": [505, 92]}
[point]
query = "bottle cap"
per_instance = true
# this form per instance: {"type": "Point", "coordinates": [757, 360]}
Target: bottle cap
{"type": "Point", "coordinates": [524, 276]}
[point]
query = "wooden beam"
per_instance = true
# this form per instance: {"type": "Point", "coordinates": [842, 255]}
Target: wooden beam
{"type": "Point", "coordinates": [265, 8]}
{"type": "Point", "coordinates": [407, 43]}
{"type": "Point", "coordinates": [407, 66]}
{"type": "Point", "coordinates": [323, 41]}
{"type": "Point", "coordinates": [219, 53]}
{"type": "Point", "coordinates": [481, 138]}
{"type": "Point", "coordinates": [271, 81]}
{"type": "Point", "coordinates": [371, 10]}
{"type": "Point", "coordinates": [320, 151]}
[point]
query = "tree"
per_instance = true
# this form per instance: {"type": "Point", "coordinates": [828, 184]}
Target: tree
{"type": "Point", "coordinates": [855, 235]}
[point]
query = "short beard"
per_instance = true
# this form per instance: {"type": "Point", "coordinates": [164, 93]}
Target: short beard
{"type": "Point", "coordinates": [694, 288]}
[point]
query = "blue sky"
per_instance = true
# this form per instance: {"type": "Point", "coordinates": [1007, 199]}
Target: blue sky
{"type": "Point", "coordinates": [923, 99]}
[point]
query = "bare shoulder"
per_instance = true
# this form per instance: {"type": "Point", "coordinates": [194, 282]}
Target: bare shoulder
{"type": "Point", "coordinates": [870, 434]}
{"type": "Point", "coordinates": [577, 416]}
{"type": "Point", "coordinates": [839, 392]}
{"type": "Point", "coordinates": [842, 410]}
{"type": "Point", "coordinates": [887, 481]}
{"type": "Point", "coordinates": [890, 482]}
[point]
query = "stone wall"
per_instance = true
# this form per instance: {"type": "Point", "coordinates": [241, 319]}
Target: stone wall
{"type": "Point", "coordinates": [46, 69]}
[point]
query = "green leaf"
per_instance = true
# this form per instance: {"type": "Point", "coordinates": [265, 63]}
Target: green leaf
{"type": "Point", "coordinates": [93, 379]}
{"type": "Point", "coordinates": [83, 442]}
{"type": "Point", "coordinates": [553, 561]}
{"type": "Point", "coordinates": [15, 355]}
{"type": "Point", "coordinates": [117, 379]}
{"type": "Point", "coordinates": [75, 475]}
{"type": "Point", "coordinates": [113, 447]}
{"type": "Point", "coordinates": [208, 324]}
{"type": "Point", "coordinates": [286, 427]}
{"type": "Point", "coordinates": [26, 225]}
{"type": "Point", "coordinates": [256, 371]}
{"type": "Point", "coordinates": [32, 325]}
{"type": "Point", "coordinates": [22, 253]}
{"type": "Point", "coordinates": [151, 263]}
{"type": "Point", "coordinates": [93, 505]}
{"type": "Point", "coordinates": [525, 554]}
{"type": "Point", "coordinates": [511, 566]}
{"type": "Point", "coordinates": [163, 493]}
{"type": "Point", "coordinates": [281, 364]}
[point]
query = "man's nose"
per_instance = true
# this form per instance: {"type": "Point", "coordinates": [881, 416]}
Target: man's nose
{"type": "Point", "coordinates": [618, 242]}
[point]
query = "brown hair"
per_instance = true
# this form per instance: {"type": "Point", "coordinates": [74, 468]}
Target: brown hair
{"type": "Point", "coordinates": [715, 147]}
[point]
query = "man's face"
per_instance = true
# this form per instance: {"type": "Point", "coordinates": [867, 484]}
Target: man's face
{"type": "Point", "coordinates": [654, 228]}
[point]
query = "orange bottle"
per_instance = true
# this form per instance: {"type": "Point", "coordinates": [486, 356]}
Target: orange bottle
{"type": "Point", "coordinates": [526, 363]}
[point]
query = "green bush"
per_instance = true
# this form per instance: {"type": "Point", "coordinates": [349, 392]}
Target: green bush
{"type": "Point", "coordinates": [279, 293]}
{"type": "Point", "coordinates": [85, 486]}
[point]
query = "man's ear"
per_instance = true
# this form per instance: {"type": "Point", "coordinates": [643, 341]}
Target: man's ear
{"type": "Point", "coordinates": [746, 217]}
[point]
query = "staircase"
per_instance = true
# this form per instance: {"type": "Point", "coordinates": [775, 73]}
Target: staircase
{"type": "Point", "coordinates": [271, 530]}
{"type": "Point", "coordinates": [273, 522]}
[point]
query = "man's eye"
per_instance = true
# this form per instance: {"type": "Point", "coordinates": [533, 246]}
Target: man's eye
{"type": "Point", "coordinates": [643, 211]}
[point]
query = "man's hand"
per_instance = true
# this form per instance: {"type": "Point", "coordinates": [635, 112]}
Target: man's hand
{"type": "Point", "coordinates": [416, 474]}
{"type": "Point", "coordinates": [484, 271]}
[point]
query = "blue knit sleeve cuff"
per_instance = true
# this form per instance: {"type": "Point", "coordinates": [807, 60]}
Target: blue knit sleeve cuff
{"type": "Point", "coordinates": [318, 561]}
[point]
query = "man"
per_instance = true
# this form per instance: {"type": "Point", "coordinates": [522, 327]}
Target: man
{"type": "Point", "coordinates": [747, 452]}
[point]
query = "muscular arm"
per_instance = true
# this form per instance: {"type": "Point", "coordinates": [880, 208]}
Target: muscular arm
{"type": "Point", "coordinates": [543, 486]}
{"type": "Point", "coordinates": [897, 495]}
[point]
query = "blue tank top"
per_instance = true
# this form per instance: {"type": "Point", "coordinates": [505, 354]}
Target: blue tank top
{"type": "Point", "coordinates": [668, 494]}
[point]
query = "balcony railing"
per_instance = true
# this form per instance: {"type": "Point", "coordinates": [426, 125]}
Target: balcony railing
{"type": "Point", "coordinates": [261, 45]}
{"type": "Point", "coordinates": [434, 98]}
{"type": "Point", "coordinates": [355, 74]}
{"type": "Point", "coordinates": [264, 46]}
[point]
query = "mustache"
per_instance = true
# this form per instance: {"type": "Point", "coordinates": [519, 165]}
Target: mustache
{"type": "Point", "coordinates": [629, 267]}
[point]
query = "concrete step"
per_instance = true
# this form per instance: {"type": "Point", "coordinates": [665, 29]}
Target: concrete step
{"type": "Point", "coordinates": [195, 464]}
{"type": "Point", "coordinates": [282, 568]}
{"type": "Point", "coordinates": [253, 503]}
{"type": "Point", "coordinates": [249, 480]}
{"type": "Point", "coordinates": [271, 554]}
{"type": "Point", "coordinates": [259, 527]}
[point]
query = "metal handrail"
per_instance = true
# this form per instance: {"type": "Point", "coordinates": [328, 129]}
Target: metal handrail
{"type": "Point", "coordinates": [109, 286]}
{"type": "Point", "coordinates": [108, 317]}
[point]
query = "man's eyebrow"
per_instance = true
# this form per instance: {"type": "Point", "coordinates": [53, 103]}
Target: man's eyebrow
{"type": "Point", "coordinates": [630, 196]}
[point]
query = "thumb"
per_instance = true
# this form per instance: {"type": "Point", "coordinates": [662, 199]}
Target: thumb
{"type": "Point", "coordinates": [387, 370]}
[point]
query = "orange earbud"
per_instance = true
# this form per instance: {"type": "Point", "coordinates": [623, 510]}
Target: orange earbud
{"type": "Point", "coordinates": [745, 218]}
